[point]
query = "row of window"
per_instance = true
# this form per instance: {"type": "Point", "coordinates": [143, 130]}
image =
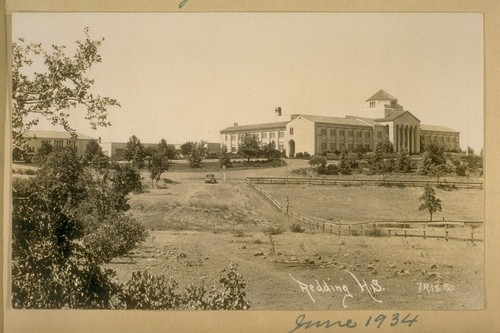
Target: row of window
{"type": "Point", "coordinates": [350, 133]}
{"type": "Point", "coordinates": [272, 135]}
{"type": "Point", "coordinates": [449, 139]}
{"type": "Point", "coordinates": [340, 146]}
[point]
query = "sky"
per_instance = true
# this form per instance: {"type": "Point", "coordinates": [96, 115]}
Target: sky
{"type": "Point", "coordinates": [186, 76]}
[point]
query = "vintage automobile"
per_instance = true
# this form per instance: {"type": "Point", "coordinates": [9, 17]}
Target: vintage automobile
{"type": "Point", "coordinates": [210, 179]}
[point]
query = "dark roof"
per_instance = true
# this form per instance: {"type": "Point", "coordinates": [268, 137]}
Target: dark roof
{"type": "Point", "coordinates": [255, 127]}
{"type": "Point", "coordinates": [334, 120]}
{"type": "Point", "coordinates": [56, 135]}
{"type": "Point", "coordinates": [432, 128]}
{"type": "Point", "coordinates": [395, 115]}
{"type": "Point", "coordinates": [382, 95]}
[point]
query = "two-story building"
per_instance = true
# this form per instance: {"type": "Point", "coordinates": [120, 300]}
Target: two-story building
{"type": "Point", "coordinates": [385, 120]}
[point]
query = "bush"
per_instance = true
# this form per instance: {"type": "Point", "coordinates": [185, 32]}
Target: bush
{"type": "Point", "coordinates": [316, 161]}
{"type": "Point", "coordinates": [29, 172]}
{"type": "Point", "coordinates": [274, 230]}
{"type": "Point", "coordinates": [374, 231]}
{"type": "Point", "coordinates": [149, 292]}
{"type": "Point", "coordinates": [297, 228]}
{"type": "Point", "coordinates": [299, 155]}
{"type": "Point", "coordinates": [461, 170]}
{"type": "Point", "coordinates": [331, 169]}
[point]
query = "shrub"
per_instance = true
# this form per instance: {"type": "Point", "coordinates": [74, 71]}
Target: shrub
{"type": "Point", "coordinates": [299, 155]}
{"type": "Point", "coordinates": [297, 228]}
{"type": "Point", "coordinates": [29, 172]}
{"type": "Point", "coordinates": [374, 231]}
{"type": "Point", "coordinates": [307, 155]}
{"type": "Point", "coordinates": [461, 170]}
{"type": "Point", "coordinates": [147, 291]}
{"type": "Point", "coordinates": [273, 230]}
{"type": "Point", "coordinates": [316, 161]}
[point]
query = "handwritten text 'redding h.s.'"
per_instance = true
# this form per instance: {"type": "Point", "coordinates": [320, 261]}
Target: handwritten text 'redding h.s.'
{"type": "Point", "coordinates": [324, 287]}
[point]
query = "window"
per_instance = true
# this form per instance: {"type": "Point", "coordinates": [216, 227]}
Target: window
{"type": "Point", "coordinates": [349, 146]}
{"type": "Point", "coordinates": [59, 143]}
{"type": "Point", "coordinates": [349, 133]}
{"type": "Point", "coordinates": [360, 134]}
{"type": "Point", "coordinates": [233, 149]}
{"type": "Point", "coordinates": [281, 134]}
{"type": "Point", "coordinates": [233, 137]}
{"type": "Point", "coordinates": [291, 130]}
{"type": "Point", "coordinates": [342, 132]}
{"type": "Point", "coordinates": [332, 132]}
{"type": "Point", "coordinates": [333, 147]}
{"type": "Point", "coordinates": [272, 135]}
{"type": "Point", "coordinates": [225, 137]}
{"type": "Point", "coordinates": [281, 147]}
{"type": "Point", "coordinates": [379, 135]}
{"type": "Point", "coordinates": [372, 104]}
{"type": "Point", "coordinates": [323, 146]}
{"type": "Point", "coordinates": [341, 146]}
{"type": "Point", "coordinates": [322, 131]}
{"type": "Point", "coordinates": [264, 135]}
{"type": "Point", "coordinates": [367, 136]}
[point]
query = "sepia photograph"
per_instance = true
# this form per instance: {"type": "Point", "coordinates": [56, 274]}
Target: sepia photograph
{"type": "Point", "coordinates": [247, 161]}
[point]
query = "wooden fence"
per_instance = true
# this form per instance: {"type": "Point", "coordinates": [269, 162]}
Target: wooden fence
{"type": "Point", "coordinates": [448, 230]}
{"type": "Point", "coordinates": [361, 182]}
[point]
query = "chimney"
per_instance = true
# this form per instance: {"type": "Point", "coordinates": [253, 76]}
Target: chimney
{"type": "Point", "coordinates": [235, 124]}
{"type": "Point", "coordinates": [278, 111]}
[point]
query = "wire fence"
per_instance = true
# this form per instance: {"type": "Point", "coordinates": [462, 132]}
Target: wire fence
{"type": "Point", "coordinates": [448, 230]}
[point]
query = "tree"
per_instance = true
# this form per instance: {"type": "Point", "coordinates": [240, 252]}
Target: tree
{"type": "Point", "coordinates": [249, 146]}
{"type": "Point", "coordinates": [269, 151]}
{"type": "Point", "coordinates": [135, 152]}
{"type": "Point", "coordinates": [51, 92]}
{"type": "Point", "coordinates": [344, 166]}
{"type": "Point", "coordinates": [433, 157]}
{"type": "Point", "coordinates": [94, 156]}
{"type": "Point", "coordinates": [380, 165]}
{"type": "Point", "coordinates": [159, 160]}
{"type": "Point", "coordinates": [43, 152]}
{"type": "Point", "coordinates": [429, 201]}
{"type": "Point", "coordinates": [224, 159]}
{"type": "Point", "coordinates": [65, 225]}
{"type": "Point", "coordinates": [403, 162]}
{"type": "Point", "coordinates": [317, 161]}
{"type": "Point", "coordinates": [197, 154]}
{"type": "Point", "coordinates": [186, 148]}
{"type": "Point", "coordinates": [386, 146]}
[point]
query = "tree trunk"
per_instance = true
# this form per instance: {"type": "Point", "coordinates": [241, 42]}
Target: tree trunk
{"type": "Point", "coordinates": [430, 212]}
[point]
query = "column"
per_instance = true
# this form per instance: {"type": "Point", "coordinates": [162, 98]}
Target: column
{"type": "Point", "coordinates": [407, 138]}
{"type": "Point", "coordinates": [417, 140]}
{"type": "Point", "coordinates": [396, 138]}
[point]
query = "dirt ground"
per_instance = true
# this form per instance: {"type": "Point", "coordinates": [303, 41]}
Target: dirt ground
{"type": "Point", "coordinates": [197, 230]}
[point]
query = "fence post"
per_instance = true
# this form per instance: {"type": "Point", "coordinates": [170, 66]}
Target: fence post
{"type": "Point", "coordinates": [323, 226]}
{"type": "Point", "coordinates": [405, 233]}
{"type": "Point", "coordinates": [331, 228]}
{"type": "Point", "coordinates": [361, 231]}
{"type": "Point", "coordinates": [317, 225]}
{"type": "Point", "coordinates": [424, 233]}
{"type": "Point", "coordinates": [349, 230]}
{"type": "Point", "coordinates": [472, 234]}
{"type": "Point", "coordinates": [446, 232]}
{"type": "Point", "coordinates": [339, 230]}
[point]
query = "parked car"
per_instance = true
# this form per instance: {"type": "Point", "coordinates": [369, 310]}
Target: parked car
{"type": "Point", "coordinates": [210, 178]}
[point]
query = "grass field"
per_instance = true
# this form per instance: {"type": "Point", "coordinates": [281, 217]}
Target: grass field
{"type": "Point", "coordinates": [376, 203]}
